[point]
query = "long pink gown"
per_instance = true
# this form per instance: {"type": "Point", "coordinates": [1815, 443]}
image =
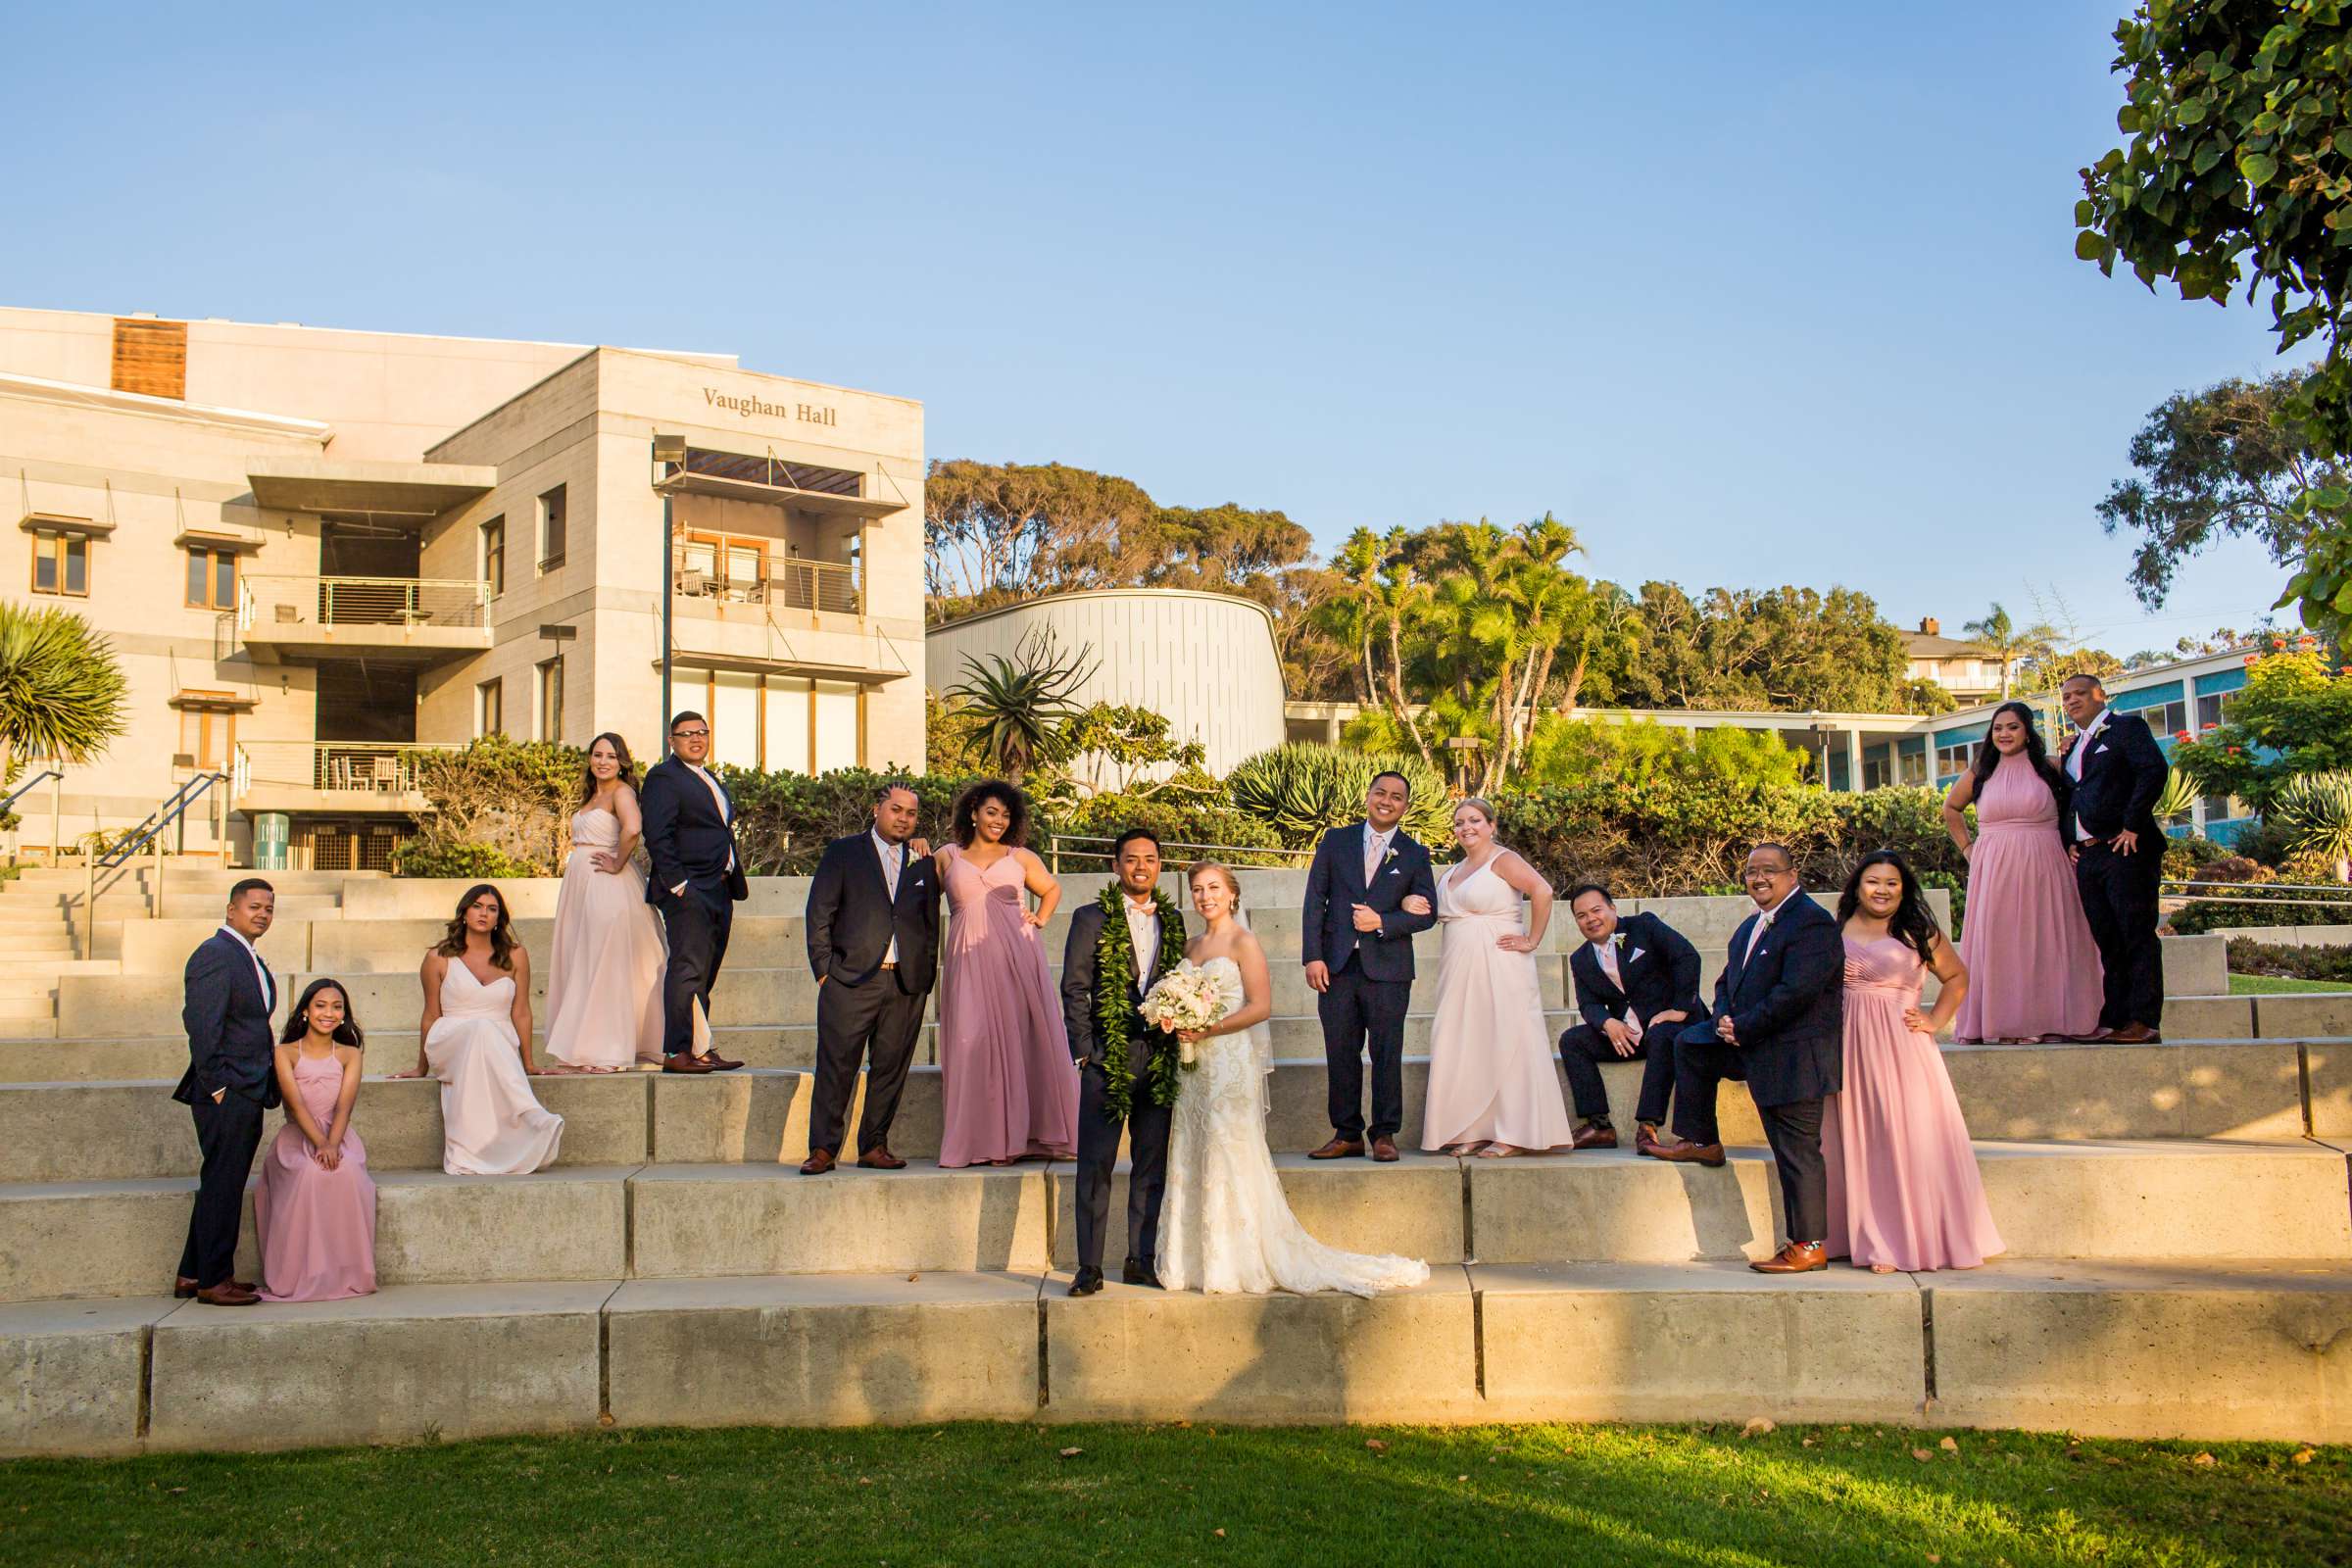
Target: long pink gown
{"type": "Point", "coordinates": [1904, 1188]}
{"type": "Point", "coordinates": [1009, 1087]}
{"type": "Point", "coordinates": [2032, 968]}
{"type": "Point", "coordinates": [604, 965]}
{"type": "Point", "coordinates": [317, 1225]}
{"type": "Point", "coordinates": [1490, 1077]}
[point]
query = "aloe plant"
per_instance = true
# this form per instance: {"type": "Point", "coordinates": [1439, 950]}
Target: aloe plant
{"type": "Point", "coordinates": [2179, 799]}
{"type": "Point", "coordinates": [2317, 811]}
{"type": "Point", "coordinates": [1301, 790]}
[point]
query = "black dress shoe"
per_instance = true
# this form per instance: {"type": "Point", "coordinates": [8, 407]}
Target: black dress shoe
{"type": "Point", "coordinates": [1139, 1272]}
{"type": "Point", "coordinates": [1088, 1283]}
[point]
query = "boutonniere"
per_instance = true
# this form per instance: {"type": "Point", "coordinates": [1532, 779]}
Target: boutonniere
{"type": "Point", "coordinates": [1389, 856]}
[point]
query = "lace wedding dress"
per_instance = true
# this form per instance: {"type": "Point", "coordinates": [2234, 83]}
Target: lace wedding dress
{"type": "Point", "coordinates": [1225, 1227]}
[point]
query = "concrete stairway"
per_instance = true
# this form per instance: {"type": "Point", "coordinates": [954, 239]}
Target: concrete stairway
{"type": "Point", "coordinates": [2179, 1220]}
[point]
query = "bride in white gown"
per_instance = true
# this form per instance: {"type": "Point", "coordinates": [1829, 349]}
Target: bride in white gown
{"type": "Point", "coordinates": [1225, 1227]}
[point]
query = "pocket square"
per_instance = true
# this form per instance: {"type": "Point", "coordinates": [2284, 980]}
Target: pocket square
{"type": "Point", "coordinates": [1631, 956]}
{"type": "Point", "coordinates": [2096, 749]}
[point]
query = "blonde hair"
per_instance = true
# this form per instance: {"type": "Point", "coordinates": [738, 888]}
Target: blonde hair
{"type": "Point", "coordinates": [1483, 809]}
{"type": "Point", "coordinates": [1232, 884]}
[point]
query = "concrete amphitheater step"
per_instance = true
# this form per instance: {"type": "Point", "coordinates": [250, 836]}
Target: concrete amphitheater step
{"type": "Point", "coordinates": [2254, 1351]}
{"type": "Point", "coordinates": [2114, 1202]}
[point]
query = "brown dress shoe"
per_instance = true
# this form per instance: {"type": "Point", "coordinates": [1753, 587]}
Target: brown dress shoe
{"type": "Point", "coordinates": [1338, 1149]}
{"type": "Point", "coordinates": [1645, 1139]}
{"type": "Point", "coordinates": [820, 1162]}
{"type": "Point", "coordinates": [229, 1293]}
{"type": "Point", "coordinates": [1797, 1257]}
{"type": "Point", "coordinates": [1592, 1135]}
{"type": "Point", "coordinates": [1383, 1149]}
{"type": "Point", "coordinates": [185, 1287]}
{"type": "Point", "coordinates": [2134, 1033]}
{"type": "Point", "coordinates": [1683, 1152]}
{"type": "Point", "coordinates": [683, 1062]}
{"type": "Point", "coordinates": [718, 1062]}
{"type": "Point", "coordinates": [880, 1158]}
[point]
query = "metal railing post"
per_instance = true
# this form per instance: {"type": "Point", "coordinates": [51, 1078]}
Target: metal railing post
{"type": "Point", "coordinates": [155, 902]}
{"type": "Point", "coordinates": [57, 786]}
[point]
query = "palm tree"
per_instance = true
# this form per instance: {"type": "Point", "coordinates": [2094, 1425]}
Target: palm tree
{"type": "Point", "coordinates": [2010, 643]}
{"type": "Point", "coordinates": [61, 690]}
{"type": "Point", "coordinates": [1019, 704]}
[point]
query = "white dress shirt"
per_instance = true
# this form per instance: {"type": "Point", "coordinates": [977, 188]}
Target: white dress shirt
{"type": "Point", "coordinates": [1764, 919]}
{"type": "Point", "coordinates": [894, 861]}
{"type": "Point", "coordinates": [261, 970]}
{"type": "Point", "coordinates": [719, 798]}
{"type": "Point", "coordinates": [1143, 933]}
{"type": "Point", "coordinates": [2077, 756]}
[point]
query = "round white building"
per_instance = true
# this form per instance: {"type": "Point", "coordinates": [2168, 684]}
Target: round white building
{"type": "Point", "coordinates": [1205, 660]}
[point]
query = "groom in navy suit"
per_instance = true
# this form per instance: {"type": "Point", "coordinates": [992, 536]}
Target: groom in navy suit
{"type": "Point", "coordinates": [231, 1079]}
{"type": "Point", "coordinates": [1356, 941]}
{"type": "Point", "coordinates": [2118, 847]}
{"type": "Point", "coordinates": [1780, 1024]}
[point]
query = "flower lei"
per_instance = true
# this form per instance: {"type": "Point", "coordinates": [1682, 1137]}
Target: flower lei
{"type": "Point", "coordinates": [1115, 970]}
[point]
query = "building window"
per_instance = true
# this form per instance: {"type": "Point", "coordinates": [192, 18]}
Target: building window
{"type": "Point", "coordinates": [1954, 760]}
{"type": "Point", "coordinates": [489, 709]}
{"type": "Point", "coordinates": [551, 529]}
{"type": "Point", "coordinates": [551, 699]}
{"type": "Point", "coordinates": [211, 578]}
{"type": "Point", "coordinates": [205, 738]}
{"type": "Point", "coordinates": [1914, 766]}
{"type": "Point", "coordinates": [2167, 719]}
{"type": "Point", "coordinates": [494, 554]}
{"type": "Point", "coordinates": [61, 564]}
{"type": "Point", "coordinates": [2213, 708]}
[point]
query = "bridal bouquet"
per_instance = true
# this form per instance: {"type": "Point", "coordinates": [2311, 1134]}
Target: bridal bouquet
{"type": "Point", "coordinates": [1191, 997]}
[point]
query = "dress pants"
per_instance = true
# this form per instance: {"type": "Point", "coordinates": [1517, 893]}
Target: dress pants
{"type": "Point", "coordinates": [1360, 1018]}
{"type": "Point", "coordinates": [2118, 900]}
{"type": "Point", "coordinates": [875, 1022]}
{"type": "Point", "coordinates": [696, 923]}
{"type": "Point", "coordinates": [226, 1134]}
{"type": "Point", "coordinates": [1701, 1061]}
{"type": "Point", "coordinates": [1583, 1049]}
{"type": "Point", "coordinates": [1146, 1128]}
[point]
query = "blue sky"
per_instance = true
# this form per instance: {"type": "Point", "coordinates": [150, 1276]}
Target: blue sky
{"type": "Point", "coordinates": [1747, 294]}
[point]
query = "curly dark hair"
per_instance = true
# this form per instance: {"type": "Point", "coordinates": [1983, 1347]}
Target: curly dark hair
{"type": "Point", "coordinates": [502, 935]}
{"type": "Point", "coordinates": [628, 766]}
{"type": "Point", "coordinates": [298, 1021]}
{"type": "Point", "coordinates": [967, 811]}
{"type": "Point", "coordinates": [1912, 921]}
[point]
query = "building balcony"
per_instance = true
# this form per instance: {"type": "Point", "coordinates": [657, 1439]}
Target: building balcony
{"type": "Point", "coordinates": [301, 620]}
{"type": "Point", "coordinates": [343, 776]}
{"type": "Point", "coordinates": [791, 616]}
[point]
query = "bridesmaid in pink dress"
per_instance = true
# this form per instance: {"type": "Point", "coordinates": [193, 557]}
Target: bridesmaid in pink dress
{"type": "Point", "coordinates": [1904, 1190]}
{"type": "Point", "coordinates": [1010, 1088]}
{"type": "Point", "coordinates": [604, 965]}
{"type": "Point", "coordinates": [316, 1205]}
{"type": "Point", "coordinates": [2023, 941]}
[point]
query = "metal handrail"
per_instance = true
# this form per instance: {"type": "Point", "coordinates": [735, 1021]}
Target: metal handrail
{"type": "Point", "coordinates": [148, 832]}
{"type": "Point", "coordinates": [26, 788]}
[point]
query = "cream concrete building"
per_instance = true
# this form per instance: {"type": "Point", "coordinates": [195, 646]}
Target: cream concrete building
{"type": "Point", "coordinates": [317, 551]}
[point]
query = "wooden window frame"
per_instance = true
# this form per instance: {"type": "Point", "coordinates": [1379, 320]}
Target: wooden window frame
{"type": "Point", "coordinates": [493, 561]}
{"type": "Point", "coordinates": [560, 514]}
{"type": "Point", "coordinates": [489, 695]}
{"type": "Point", "coordinates": [54, 543]}
{"type": "Point", "coordinates": [213, 556]}
{"type": "Point", "coordinates": [551, 712]}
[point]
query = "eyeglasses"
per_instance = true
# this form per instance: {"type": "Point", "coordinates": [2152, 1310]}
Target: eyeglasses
{"type": "Point", "coordinates": [690, 734]}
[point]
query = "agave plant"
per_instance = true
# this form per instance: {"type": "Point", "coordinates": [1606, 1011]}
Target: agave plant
{"type": "Point", "coordinates": [2179, 799]}
{"type": "Point", "coordinates": [1301, 790]}
{"type": "Point", "coordinates": [60, 689]}
{"type": "Point", "coordinates": [1018, 704]}
{"type": "Point", "coordinates": [2317, 811]}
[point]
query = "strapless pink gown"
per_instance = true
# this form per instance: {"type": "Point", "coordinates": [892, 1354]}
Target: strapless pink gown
{"type": "Point", "coordinates": [2032, 968]}
{"type": "Point", "coordinates": [317, 1225]}
{"type": "Point", "coordinates": [1904, 1188]}
{"type": "Point", "coordinates": [1007, 1084]}
{"type": "Point", "coordinates": [605, 966]}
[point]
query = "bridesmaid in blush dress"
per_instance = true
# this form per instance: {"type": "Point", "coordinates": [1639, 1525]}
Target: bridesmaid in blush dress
{"type": "Point", "coordinates": [2025, 942]}
{"type": "Point", "coordinates": [604, 965]}
{"type": "Point", "coordinates": [477, 1038]}
{"type": "Point", "coordinates": [1493, 1089]}
{"type": "Point", "coordinates": [1009, 1087]}
{"type": "Point", "coordinates": [316, 1205]}
{"type": "Point", "coordinates": [1904, 1190]}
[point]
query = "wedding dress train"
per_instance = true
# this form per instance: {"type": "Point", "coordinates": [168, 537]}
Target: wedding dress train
{"type": "Point", "coordinates": [1225, 1226]}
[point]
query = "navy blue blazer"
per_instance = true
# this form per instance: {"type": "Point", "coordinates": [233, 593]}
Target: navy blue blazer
{"type": "Point", "coordinates": [2123, 779]}
{"type": "Point", "coordinates": [1335, 885]}
{"type": "Point", "coordinates": [1786, 1004]}
{"type": "Point", "coordinates": [851, 919]}
{"type": "Point", "coordinates": [686, 837]}
{"type": "Point", "coordinates": [227, 1019]}
{"type": "Point", "coordinates": [1660, 967]}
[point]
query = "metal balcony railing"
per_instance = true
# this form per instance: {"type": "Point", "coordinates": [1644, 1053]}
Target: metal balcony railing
{"type": "Point", "coordinates": [265, 602]}
{"type": "Point", "coordinates": [791, 584]}
{"type": "Point", "coordinates": [357, 767]}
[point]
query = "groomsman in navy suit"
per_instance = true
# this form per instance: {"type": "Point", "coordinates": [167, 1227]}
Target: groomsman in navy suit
{"type": "Point", "coordinates": [231, 1079]}
{"type": "Point", "coordinates": [1637, 985]}
{"type": "Point", "coordinates": [696, 880]}
{"type": "Point", "coordinates": [1356, 941]}
{"type": "Point", "coordinates": [1780, 1024]}
{"type": "Point", "coordinates": [2111, 830]}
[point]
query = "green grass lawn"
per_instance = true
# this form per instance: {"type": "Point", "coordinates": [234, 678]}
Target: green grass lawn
{"type": "Point", "coordinates": [1037, 1496]}
{"type": "Point", "coordinates": [2263, 985]}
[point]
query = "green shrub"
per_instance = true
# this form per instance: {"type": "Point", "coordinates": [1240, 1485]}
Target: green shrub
{"type": "Point", "coordinates": [1905, 819]}
{"type": "Point", "coordinates": [2186, 856]}
{"type": "Point", "coordinates": [511, 797]}
{"type": "Point", "coordinates": [2249, 956]}
{"type": "Point", "coordinates": [783, 821]}
{"type": "Point", "coordinates": [1181, 820]}
{"type": "Point", "coordinates": [2224, 910]}
{"type": "Point", "coordinates": [1301, 790]}
{"type": "Point", "coordinates": [481, 862]}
